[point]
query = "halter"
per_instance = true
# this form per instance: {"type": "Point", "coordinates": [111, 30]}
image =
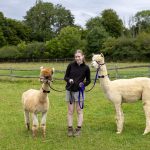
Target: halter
{"type": "Point", "coordinates": [47, 79]}
{"type": "Point", "coordinates": [44, 91]}
{"type": "Point", "coordinates": [99, 65]}
{"type": "Point", "coordinates": [96, 76]}
{"type": "Point", "coordinates": [103, 76]}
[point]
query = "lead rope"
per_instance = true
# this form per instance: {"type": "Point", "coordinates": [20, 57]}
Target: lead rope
{"type": "Point", "coordinates": [81, 92]}
{"type": "Point", "coordinates": [96, 77]}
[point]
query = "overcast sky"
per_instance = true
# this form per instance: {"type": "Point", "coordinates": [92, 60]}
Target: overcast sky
{"type": "Point", "coordinates": [81, 9]}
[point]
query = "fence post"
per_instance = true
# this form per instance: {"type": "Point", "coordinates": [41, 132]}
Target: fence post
{"type": "Point", "coordinates": [116, 70]}
{"type": "Point", "coordinates": [11, 72]}
{"type": "Point", "coordinates": [149, 71]}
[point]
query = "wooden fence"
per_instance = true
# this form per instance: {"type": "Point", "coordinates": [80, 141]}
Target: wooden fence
{"type": "Point", "coordinates": [114, 72]}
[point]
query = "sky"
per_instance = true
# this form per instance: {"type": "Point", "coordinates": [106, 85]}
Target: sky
{"type": "Point", "coordinates": [82, 10]}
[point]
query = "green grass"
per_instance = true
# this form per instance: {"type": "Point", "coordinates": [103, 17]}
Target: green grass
{"type": "Point", "coordinates": [98, 131]}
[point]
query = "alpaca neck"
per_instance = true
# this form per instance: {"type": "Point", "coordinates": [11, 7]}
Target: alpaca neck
{"type": "Point", "coordinates": [104, 81]}
{"type": "Point", "coordinates": [44, 91]}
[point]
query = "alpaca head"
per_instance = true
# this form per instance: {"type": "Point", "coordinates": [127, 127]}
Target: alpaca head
{"type": "Point", "coordinates": [97, 59]}
{"type": "Point", "coordinates": [46, 74]}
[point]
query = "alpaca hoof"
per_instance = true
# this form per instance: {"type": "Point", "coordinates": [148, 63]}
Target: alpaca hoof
{"type": "Point", "coordinates": [28, 126]}
{"type": "Point", "coordinates": [146, 132]}
{"type": "Point", "coordinates": [118, 132]}
{"type": "Point", "coordinates": [34, 130]}
{"type": "Point", "coordinates": [43, 126]}
{"type": "Point", "coordinates": [44, 136]}
{"type": "Point", "coordinates": [34, 135]}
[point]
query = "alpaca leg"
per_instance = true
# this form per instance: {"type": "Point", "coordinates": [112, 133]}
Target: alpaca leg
{"type": "Point", "coordinates": [43, 123]}
{"type": "Point", "coordinates": [119, 118]}
{"type": "Point", "coordinates": [147, 115]}
{"type": "Point", "coordinates": [35, 124]}
{"type": "Point", "coordinates": [27, 119]}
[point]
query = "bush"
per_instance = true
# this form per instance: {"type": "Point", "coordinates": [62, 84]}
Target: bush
{"type": "Point", "coordinates": [9, 52]}
{"type": "Point", "coordinates": [32, 50]}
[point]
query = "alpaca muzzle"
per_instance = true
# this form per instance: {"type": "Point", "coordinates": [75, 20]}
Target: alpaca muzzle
{"type": "Point", "coordinates": [46, 79]}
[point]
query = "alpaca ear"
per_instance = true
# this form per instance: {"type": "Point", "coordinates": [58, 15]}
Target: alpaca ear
{"type": "Point", "coordinates": [41, 67]}
{"type": "Point", "coordinates": [102, 54]}
{"type": "Point", "coordinates": [53, 70]}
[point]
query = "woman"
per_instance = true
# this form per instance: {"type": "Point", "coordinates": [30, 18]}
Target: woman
{"type": "Point", "coordinates": [77, 75]}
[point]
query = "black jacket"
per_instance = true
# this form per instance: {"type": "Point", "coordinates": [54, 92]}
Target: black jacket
{"type": "Point", "coordinates": [79, 73]}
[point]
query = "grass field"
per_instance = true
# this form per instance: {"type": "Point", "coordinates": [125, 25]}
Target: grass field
{"type": "Point", "coordinates": [98, 132]}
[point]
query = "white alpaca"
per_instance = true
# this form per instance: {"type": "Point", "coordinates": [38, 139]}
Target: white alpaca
{"type": "Point", "coordinates": [35, 101]}
{"type": "Point", "coordinates": [124, 91]}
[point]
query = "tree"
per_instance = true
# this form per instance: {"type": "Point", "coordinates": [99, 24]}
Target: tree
{"type": "Point", "coordinates": [142, 21]}
{"type": "Point", "coordinates": [95, 39]}
{"type": "Point", "coordinates": [2, 38]}
{"type": "Point", "coordinates": [143, 46]}
{"type": "Point", "coordinates": [15, 31]}
{"type": "Point", "coordinates": [46, 20]}
{"type": "Point", "coordinates": [40, 19]}
{"type": "Point", "coordinates": [94, 22]}
{"type": "Point", "coordinates": [12, 31]}
{"type": "Point", "coordinates": [112, 23]}
{"type": "Point", "coordinates": [32, 50]}
{"type": "Point", "coordinates": [65, 44]}
{"type": "Point", "coordinates": [108, 47]}
{"type": "Point", "coordinates": [62, 18]}
{"type": "Point", "coordinates": [9, 52]}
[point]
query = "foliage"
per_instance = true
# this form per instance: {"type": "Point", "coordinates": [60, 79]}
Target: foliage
{"type": "Point", "coordinates": [7, 52]}
{"type": "Point", "coordinates": [128, 49]}
{"type": "Point", "coordinates": [48, 31]}
{"type": "Point", "coordinates": [2, 38]}
{"type": "Point", "coordinates": [112, 23]}
{"type": "Point", "coordinates": [12, 32]}
{"type": "Point", "coordinates": [32, 50]}
{"type": "Point", "coordinates": [66, 43]}
{"type": "Point", "coordinates": [40, 19]}
{"type": "Point", "coordinates": [95, 39]}
{"type": "Point", "coordinates": [108, 47]}
{"type": "Point", "coordinates": [142, 20]}
{"type": "Point", "coordinates": [143, 43]}
{"type": "Point", "coordinates": [46, 20]}
{"type": "Point", "coordinates": [94, 22]}
{"type": "Point", "coordinates": [62, 18]}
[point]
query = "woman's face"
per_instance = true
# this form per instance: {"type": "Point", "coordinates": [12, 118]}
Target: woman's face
{"type": "Point", "coordinates": [79, 58]}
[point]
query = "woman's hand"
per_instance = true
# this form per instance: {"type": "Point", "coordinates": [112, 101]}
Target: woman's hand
{"type": "Point", "coordinates": [81, 84]}
{"type": "Point", "coordinates": [71, 81]}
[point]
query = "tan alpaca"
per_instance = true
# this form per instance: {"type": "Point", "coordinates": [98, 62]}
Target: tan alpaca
{"type": "Point", "coordinates": [124, 91]}
{"type": "Point", "coordinates": [36, 101]}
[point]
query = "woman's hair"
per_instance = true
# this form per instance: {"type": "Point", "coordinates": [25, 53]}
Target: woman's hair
{"type": "Point", "coordinates": [81, 52]}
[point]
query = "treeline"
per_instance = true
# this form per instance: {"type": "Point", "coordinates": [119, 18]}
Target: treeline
{"type": "Point", "coordinates": [48, 31]}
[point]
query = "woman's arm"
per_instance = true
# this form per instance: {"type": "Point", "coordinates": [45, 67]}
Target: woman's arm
{"type": "Point", "coordinates": [66, 77]}
{"type": "Point", "coordinates": [87, 76]}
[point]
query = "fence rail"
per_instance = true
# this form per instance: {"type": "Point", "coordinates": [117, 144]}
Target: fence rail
{"type": "Point", "coordinates": [36, 60]}
{"type": "Point", "coordinates": [115, 72]}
